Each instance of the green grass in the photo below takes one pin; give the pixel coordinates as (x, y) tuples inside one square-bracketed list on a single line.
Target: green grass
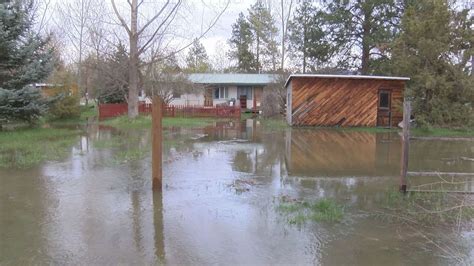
[(274, 123), (442, 132), (28, 147), (324, 210), (123, 122), (368, 129)]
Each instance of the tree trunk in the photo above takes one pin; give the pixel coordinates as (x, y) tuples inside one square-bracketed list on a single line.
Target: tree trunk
[(133, 67), (304, 49), (258, 54), (365, 44)]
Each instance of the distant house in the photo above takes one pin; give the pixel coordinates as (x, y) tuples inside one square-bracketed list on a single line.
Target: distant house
[(344, 100), (244, 90), (49, 89)]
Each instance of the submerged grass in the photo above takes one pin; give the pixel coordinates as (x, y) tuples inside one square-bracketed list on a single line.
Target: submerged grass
[(28, 147), (442, 132), (430, 209), (325, 210)]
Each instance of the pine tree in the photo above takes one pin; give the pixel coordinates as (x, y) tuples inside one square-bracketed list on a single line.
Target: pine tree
[(262, 25), (25, 59), (307, 43), (197, 60), (361, 31), (240, 43), (433, 49)]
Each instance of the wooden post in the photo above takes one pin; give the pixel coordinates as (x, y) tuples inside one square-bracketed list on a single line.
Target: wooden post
[(157, 143), (405, 145)]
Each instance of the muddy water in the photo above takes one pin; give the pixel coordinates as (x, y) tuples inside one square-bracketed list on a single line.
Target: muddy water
[(96, 207)]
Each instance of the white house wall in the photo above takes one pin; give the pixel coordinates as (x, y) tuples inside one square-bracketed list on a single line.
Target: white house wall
[(189, 100), (198, 99)]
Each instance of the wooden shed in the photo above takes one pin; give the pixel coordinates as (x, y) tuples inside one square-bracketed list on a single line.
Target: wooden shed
[(344, 100)]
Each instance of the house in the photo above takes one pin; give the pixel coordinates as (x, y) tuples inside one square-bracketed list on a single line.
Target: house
[(49, 89), (344, 100), (245, 90)]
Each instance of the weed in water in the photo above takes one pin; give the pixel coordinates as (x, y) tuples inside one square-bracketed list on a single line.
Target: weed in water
[(128, 155), (325, 210)]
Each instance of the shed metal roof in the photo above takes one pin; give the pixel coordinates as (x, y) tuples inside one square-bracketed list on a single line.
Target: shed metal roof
[(343, 77), (233, 78)]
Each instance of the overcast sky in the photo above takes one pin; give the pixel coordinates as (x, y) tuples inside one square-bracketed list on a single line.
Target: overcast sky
[(197, 13)]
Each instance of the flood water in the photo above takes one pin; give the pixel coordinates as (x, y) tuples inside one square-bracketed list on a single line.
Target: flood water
[(96, 206)]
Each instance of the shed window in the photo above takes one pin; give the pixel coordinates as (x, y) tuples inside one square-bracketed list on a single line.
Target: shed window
[(384, 100)]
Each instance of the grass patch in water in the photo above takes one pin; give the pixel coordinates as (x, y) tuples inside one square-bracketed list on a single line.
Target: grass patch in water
[(324, 210), (28, 147), (134, 154)]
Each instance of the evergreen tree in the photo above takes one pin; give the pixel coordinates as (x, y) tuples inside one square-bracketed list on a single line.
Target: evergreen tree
[(115, 70), (240, 43), (262, 25), (433, 49), (197, 60), (361, 31), (307, 43), (25, 59)]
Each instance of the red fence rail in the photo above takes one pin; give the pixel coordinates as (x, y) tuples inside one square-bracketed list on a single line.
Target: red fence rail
[(117, 109)]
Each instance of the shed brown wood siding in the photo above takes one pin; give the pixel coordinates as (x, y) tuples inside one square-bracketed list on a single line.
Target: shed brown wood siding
[(342, 101)]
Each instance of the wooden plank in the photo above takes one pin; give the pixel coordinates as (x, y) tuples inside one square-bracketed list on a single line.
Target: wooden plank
[(157, 143)]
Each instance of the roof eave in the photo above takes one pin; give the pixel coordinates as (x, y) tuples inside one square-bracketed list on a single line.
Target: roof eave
[(344, 77)]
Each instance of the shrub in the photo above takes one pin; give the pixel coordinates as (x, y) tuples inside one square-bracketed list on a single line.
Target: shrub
[(66, 107)]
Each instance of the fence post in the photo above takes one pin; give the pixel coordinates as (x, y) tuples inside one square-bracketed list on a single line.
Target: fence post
[(157, 143), (405, 145)]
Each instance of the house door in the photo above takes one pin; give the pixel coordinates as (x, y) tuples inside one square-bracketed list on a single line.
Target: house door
[(384, 114), (243, 101), (244, 93), (208, 98)]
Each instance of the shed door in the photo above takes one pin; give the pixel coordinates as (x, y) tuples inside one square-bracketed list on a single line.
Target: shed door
[(384, 105)]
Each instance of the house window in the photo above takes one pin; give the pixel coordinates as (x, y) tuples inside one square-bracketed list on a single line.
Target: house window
[(384, 100), (221, 93), (247, 91), (176, 95)]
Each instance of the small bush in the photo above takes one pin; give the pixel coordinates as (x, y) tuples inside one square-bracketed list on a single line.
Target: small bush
[(66, 107)]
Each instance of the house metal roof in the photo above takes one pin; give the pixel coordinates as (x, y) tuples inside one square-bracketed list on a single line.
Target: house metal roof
[(343, 77), (233, 78)]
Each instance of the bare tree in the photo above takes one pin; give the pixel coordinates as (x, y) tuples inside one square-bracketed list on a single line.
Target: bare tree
[(142, 37), (286, 7), (74, 20)]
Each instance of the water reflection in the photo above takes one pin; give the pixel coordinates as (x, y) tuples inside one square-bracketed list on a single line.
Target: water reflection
[(95, 207), (330, 153)]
